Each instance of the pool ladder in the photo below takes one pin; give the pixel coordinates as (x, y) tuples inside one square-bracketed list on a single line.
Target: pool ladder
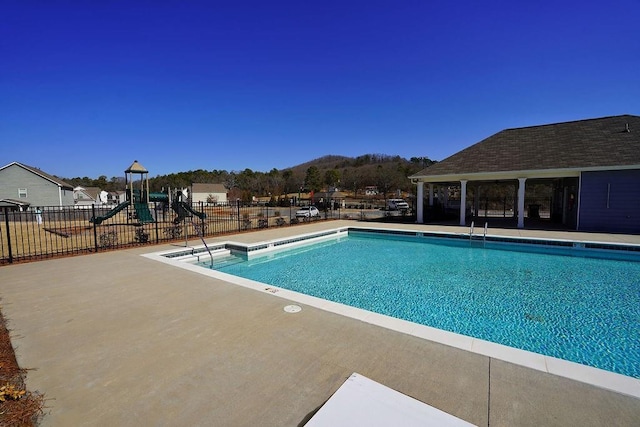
[(484, 235)]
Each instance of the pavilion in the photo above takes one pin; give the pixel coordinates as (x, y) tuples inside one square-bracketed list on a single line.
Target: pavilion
[(591, 169)]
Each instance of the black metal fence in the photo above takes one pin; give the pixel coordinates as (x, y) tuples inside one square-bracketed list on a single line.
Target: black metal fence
[(505, 207), (53, 231)]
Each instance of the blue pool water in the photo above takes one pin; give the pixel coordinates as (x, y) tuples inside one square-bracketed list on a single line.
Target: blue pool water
[(584, 310)]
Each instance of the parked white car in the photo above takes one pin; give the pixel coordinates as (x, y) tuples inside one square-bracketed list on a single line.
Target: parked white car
[(307, 212), (397, 205)]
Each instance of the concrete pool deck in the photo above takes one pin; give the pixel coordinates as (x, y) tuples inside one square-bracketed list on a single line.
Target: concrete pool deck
[(119, 339)]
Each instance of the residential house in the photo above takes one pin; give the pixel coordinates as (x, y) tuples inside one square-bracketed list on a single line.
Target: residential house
[(592, 167), (87, 196), (208, 193), (29, 186), (116, 197)]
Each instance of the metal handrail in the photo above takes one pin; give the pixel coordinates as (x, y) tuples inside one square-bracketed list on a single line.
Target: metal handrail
[(200, 231), (484, 234), (484, 237), (471, 232)]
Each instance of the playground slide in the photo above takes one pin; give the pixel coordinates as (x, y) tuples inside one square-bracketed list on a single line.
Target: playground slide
[(143, 213), (183, 210), (98, 220)]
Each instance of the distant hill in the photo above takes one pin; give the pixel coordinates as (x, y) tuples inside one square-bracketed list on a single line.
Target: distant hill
[(329, 162), (387, 172), (366, 160)]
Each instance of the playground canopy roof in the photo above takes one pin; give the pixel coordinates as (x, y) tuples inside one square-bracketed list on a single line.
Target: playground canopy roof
[(136, 168)]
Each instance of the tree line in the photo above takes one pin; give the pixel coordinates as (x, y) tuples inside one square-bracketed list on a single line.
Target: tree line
[(387, 173)]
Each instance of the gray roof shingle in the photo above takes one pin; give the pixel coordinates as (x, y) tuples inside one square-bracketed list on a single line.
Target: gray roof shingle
[(583, 144)]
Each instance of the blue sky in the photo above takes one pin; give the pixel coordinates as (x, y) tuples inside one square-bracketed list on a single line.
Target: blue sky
[(87, 87)]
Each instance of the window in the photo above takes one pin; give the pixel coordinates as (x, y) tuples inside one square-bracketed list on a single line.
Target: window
[(22, 193)]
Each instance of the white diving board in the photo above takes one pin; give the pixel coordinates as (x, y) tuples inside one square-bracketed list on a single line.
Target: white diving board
[(363, 402)]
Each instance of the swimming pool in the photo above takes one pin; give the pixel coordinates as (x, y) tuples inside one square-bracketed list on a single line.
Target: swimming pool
[(577, 308)]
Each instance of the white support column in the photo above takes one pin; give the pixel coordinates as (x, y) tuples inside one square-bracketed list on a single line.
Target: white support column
[(463, 201), (521, 202), (420, 203), (430, 194)]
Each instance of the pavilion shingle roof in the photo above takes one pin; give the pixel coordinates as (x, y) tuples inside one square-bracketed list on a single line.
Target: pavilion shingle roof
[(583, 144)]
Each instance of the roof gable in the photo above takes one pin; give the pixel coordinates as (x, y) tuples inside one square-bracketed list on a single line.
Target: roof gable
[(595, 143), (92, 192), (40, 173)]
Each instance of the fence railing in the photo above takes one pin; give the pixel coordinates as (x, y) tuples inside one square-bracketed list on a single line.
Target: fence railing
[(505, 207), (55, 231)]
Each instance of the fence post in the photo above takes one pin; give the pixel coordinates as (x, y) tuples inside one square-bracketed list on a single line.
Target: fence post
[(155, 210), (6, 223), (95, 229), (238, 206)]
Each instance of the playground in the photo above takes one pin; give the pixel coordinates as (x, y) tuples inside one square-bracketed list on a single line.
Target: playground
[(135, 211), (143, 218), (136, 206)]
